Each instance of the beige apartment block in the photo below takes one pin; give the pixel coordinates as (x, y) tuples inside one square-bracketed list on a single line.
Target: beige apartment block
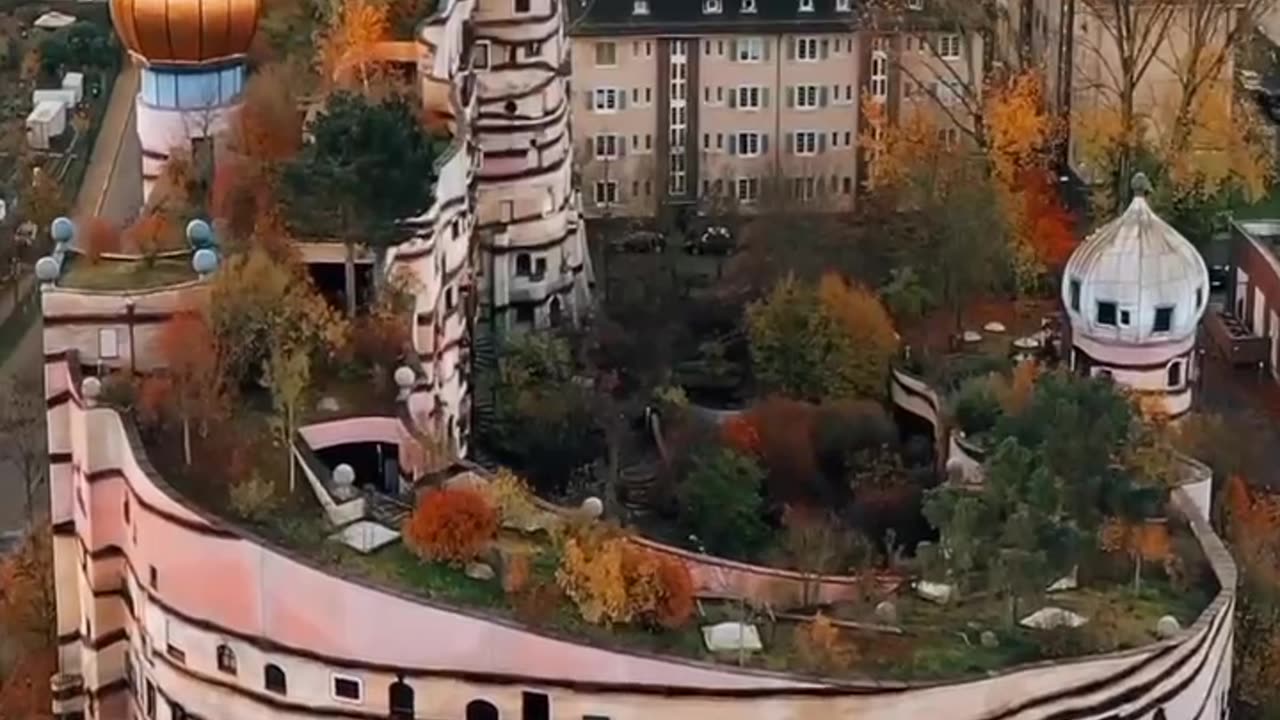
[(711, 103)]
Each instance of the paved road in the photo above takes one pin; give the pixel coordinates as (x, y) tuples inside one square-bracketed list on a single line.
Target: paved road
[(112, 188)]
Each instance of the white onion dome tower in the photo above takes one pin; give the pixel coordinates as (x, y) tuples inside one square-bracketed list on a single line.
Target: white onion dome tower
[(192, 55), (1135, 291)]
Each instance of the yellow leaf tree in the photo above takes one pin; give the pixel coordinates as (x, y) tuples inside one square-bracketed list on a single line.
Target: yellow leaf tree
[(346, 52)]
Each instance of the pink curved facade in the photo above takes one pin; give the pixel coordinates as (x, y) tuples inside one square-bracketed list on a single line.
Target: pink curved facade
[(143, 576)]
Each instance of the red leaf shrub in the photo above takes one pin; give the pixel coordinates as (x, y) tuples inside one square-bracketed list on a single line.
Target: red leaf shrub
[(451, 524)]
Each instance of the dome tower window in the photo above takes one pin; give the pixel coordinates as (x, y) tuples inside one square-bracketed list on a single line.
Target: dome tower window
[(1164, 319), (1106, 313)]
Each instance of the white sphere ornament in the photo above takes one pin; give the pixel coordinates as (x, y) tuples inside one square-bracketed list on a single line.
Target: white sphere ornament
[(404, 377), (344, 476), (593, 508), (47, 269), (1167, 627), (62, 230), (204, 261), (199, 233), (90, 389)]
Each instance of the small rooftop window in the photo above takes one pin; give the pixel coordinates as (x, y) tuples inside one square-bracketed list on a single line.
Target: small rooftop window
[(712, 6), (1106, 313), (640, 7)]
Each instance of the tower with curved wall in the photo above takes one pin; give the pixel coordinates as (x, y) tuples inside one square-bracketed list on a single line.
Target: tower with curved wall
[(1135, 292), (192, 58), (534, 267)]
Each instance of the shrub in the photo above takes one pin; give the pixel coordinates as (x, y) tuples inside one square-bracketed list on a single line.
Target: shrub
[(612, 581), (510, 494), (451, 524), (786, 448), (252, 498), (515, 573), (976, 406), (818, 647), (739, 433), (720, 501), (100, 236), (538, 603)]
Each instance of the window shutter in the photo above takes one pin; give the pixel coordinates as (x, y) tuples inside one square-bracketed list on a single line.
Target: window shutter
[(764, 97), (733, 143), (825, 46), (822, 142), (791, 48), (733, 97), (622, 101), (764, 48), (822, 96), (733, 49), (620, 141), (764, 143), (791, 143), (791, 96), (591, 99)]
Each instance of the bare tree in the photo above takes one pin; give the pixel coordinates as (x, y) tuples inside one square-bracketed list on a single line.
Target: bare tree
[(1211, 33), (22, 434), (955, 86), (1132, 34)]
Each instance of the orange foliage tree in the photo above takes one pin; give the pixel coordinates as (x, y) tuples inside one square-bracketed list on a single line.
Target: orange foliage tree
[(452, 524), (739, 433), (1143, 541), (613, 581), (24, 690), (819, 648), (347, 49), (152, 233), (787, 450), (27, 624), (1253, 528), (196, 369), (100, 236)]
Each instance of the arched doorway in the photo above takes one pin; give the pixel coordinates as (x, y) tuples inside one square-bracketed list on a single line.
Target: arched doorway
[(556, 312), (400, 698), (481, 710)]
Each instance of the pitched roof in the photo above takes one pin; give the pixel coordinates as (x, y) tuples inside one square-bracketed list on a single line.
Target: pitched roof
[(607, 17)]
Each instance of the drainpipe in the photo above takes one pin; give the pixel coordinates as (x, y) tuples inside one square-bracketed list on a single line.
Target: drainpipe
[(130, 309)]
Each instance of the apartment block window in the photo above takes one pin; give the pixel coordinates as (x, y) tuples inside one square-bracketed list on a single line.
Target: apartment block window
[(748, 97), (748, 6), (532, 49), (226, 659), (806, 5), (606, 54), (523, 6), (607, 100), (640, 7), (949, 47), (274, 680), (480, 55), (843, 5), (806, 49), (879, 75), (847, 185), (749, 49), (535, 706), (808, 97), (806, 143), (748, 189), (842, 94), (711, 6), (608, 147), (949, 137), (108, 344), (606, 192), (748, 144)]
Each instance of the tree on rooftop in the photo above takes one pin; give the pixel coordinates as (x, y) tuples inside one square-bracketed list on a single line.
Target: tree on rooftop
[(721, 504), (22, 412), (255, 301), (346, 52), (195, 367), (288, 374), (43, 200), (370, 166)]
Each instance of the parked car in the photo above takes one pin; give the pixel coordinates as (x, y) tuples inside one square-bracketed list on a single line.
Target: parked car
[(712, 240), (640, 241)]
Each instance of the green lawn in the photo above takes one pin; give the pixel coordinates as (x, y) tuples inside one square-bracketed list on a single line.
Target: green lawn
[(126, 275)]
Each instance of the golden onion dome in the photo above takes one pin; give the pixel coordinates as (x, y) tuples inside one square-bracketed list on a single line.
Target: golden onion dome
[(183, 32)]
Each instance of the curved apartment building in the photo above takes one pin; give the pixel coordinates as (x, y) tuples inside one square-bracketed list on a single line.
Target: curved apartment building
[(168, 612)]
